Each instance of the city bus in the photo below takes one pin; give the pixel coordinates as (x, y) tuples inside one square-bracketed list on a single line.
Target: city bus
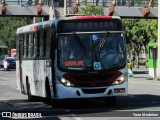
[(73, 57), (3, 54), (153, 59)]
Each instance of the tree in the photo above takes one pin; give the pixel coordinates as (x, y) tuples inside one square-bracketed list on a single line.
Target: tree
[(91, 10), (139, 32), (8, 29)]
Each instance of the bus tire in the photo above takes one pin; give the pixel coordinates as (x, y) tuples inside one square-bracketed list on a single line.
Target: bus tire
[(50, 101), (110, 101), (48, 93), (30, 97)]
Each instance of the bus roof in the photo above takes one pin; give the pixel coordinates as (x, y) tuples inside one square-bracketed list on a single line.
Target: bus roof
[(36, 26), (26, 28), (90, 17)]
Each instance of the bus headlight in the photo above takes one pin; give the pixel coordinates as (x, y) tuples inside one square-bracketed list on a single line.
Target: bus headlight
[(65, 81), (119, 80)]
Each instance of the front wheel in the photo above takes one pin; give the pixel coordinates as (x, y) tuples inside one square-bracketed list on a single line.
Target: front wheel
[(110, 101)]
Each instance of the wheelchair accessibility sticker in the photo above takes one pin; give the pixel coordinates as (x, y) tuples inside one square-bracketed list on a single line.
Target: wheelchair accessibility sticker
[(95, 37)]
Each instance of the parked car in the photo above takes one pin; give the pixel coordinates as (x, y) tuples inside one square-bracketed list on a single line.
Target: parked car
[(1, 63), (9, 63)]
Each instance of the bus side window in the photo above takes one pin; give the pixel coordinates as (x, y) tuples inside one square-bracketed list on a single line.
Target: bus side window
[(25, 46), (47, 44), (17, 45), (41, 44), (36, 44), (30, 45), (22, 48), (44, 42)]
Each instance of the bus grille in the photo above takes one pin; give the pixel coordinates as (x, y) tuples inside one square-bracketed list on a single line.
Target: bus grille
[(93, 91)]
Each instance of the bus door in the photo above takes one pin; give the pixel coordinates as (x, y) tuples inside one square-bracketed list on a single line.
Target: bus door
[(20, 62), (53, 47)]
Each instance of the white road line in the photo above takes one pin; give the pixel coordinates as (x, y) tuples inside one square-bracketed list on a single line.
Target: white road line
[(76, 118)]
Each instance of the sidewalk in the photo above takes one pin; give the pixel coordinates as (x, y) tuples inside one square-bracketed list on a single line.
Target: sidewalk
[(141, 74)]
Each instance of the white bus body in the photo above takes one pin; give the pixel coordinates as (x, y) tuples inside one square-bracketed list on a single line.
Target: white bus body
[(42, 70)]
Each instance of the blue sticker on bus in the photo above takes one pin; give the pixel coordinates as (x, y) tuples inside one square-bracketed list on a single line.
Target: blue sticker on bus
[(95, 37), (97, 66)]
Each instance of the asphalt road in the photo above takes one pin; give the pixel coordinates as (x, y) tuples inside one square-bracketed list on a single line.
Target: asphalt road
[(143, 101)]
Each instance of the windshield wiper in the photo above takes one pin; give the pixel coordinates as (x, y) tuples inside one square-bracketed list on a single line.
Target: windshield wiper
[(103, 40)]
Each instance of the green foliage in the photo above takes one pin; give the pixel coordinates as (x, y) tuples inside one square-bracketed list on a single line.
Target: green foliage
[(139, 32), (91, 10), (136, 3), (8, 29)]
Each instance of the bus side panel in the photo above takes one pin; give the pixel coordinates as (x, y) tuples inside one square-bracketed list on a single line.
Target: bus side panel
[(36, 71)]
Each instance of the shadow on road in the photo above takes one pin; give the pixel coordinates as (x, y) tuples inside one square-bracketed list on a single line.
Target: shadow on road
[(86, 107), (146, 78), (140, 72)]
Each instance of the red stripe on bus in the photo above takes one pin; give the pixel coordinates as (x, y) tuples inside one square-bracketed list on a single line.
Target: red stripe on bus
[(93, 17)]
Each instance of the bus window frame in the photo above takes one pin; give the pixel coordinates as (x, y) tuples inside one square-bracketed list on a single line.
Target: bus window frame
[(47, 42)]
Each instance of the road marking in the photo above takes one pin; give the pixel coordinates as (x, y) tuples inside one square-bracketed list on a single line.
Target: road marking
[(78, 118)]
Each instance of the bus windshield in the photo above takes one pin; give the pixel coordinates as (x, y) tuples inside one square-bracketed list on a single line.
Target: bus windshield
[(91, 51)]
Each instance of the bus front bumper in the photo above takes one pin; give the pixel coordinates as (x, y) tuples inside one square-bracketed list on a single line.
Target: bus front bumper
[(64, 92)]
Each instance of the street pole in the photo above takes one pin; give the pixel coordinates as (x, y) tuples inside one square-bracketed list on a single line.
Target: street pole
[(158, 41), (65, 7), (34, 20)]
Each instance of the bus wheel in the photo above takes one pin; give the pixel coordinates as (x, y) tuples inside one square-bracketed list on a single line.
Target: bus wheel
[(110, 101), (50, 101), (48, 92), (30, 97)]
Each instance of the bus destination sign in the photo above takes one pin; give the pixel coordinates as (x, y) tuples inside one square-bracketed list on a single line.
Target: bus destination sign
[(89, 25)]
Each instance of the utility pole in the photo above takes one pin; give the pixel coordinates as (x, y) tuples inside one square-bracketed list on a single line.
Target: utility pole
[(158, 75), (65, 7)]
